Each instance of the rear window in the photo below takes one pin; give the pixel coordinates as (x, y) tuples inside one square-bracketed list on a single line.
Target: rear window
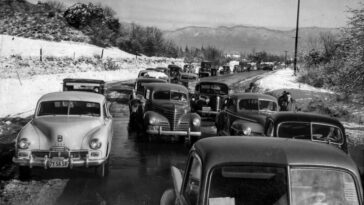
[(248, 185), (295, 130), (213, 89), (69, 108), (255, 104), (322, 186)]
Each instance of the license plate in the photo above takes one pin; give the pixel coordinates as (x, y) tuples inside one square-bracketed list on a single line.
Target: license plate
[(57, 163), (206, 108)]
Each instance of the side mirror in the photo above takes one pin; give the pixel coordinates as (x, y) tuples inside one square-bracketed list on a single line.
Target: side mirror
[(177, 179)]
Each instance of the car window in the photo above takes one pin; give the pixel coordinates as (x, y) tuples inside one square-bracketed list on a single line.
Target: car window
[(327, 133), (267, 105), (295, 130), (248, 104), (192, 188), (248, 185), (69, 108), (214, 89), (170, 95), (322, 186)]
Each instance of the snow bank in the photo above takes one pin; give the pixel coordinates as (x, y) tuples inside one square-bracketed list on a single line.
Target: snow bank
[(20, 98), (11, 45), (284, 79)]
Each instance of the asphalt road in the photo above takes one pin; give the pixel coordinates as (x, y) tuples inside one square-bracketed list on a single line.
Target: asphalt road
[(139, 170)]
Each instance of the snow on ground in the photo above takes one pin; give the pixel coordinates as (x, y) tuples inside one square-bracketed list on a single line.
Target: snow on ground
[(12, 45), (20, 98), (284, 79)]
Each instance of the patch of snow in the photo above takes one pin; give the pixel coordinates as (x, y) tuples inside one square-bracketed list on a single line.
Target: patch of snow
[(12, 45), (19, 99), (284, 79)]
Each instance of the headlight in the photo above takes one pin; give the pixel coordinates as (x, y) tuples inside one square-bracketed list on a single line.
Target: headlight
[(247, 131), (153, 121), (23, 143), (196, 122), (95, 144)]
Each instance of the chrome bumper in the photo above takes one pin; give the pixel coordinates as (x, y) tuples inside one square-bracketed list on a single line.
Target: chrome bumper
[(165, 132), (44, 162)]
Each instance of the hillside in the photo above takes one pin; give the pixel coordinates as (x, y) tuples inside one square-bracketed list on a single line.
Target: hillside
[(37, 21), (244, 38)]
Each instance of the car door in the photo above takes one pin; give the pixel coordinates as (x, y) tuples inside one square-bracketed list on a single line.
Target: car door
[(191, 187)]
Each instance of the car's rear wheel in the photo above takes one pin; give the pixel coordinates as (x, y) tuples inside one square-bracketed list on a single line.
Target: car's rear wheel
[(103, 169), (24, 172)]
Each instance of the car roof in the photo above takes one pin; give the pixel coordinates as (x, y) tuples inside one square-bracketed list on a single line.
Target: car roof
[(304, 117), (215, 151), (83, 80), (164, 86), (211, 82), (73, 95), (253, 96), (159, 80)]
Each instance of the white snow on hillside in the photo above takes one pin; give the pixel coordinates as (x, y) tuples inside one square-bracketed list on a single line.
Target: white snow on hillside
[(284, 79), (12, 45), (19, 99)]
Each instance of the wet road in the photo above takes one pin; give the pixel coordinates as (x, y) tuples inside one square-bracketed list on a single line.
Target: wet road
[(139, 170)]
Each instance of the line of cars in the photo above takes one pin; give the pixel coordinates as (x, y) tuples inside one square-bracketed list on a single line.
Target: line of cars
[(286, 166)]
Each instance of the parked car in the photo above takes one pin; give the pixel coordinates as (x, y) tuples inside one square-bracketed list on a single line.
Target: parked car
[(152, 74), (189, 80), (88, 85), (69, 129), (249, 170), (245, 114), (166, 111), (225, 70), (209, 97), (174, 73), (238, 69), (189, 68), (307, 126), (207, 70)]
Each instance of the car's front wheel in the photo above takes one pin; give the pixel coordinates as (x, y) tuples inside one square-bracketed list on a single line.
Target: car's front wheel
[(24, 172), (103, 169)]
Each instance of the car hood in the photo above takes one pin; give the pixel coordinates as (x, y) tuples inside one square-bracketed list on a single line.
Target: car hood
[(65, 131)]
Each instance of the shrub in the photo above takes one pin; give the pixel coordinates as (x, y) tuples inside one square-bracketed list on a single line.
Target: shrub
[(109, 64)]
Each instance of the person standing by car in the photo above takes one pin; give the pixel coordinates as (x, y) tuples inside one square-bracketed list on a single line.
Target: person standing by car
[(286, 102), (252, 88)]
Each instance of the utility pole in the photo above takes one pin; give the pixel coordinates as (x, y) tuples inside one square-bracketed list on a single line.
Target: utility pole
[(296, 40)]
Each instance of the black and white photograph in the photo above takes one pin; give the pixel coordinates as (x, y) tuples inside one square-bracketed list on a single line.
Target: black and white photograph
[(181, 102)]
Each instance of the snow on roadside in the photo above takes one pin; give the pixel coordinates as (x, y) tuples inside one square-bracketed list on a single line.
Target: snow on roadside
[(20, 98), (12, 45), (284, 79)]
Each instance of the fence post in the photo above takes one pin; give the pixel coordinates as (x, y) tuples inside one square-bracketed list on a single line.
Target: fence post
[(41, 53), (102, 53)]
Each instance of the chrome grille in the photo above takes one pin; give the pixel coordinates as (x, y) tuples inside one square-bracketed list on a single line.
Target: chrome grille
[(175, 117), (64, 154)]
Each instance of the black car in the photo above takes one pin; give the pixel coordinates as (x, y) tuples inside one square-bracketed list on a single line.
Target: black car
[(87, 85), (207, 70)]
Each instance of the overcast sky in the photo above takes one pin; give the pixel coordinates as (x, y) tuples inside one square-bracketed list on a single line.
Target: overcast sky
[(172, 14)]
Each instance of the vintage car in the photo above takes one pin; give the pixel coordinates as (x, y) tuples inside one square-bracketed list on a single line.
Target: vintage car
[(166, 111), (256, 170), (207, 70), (225, 70), (245, 113), (69, 129), (209, 97), (152, 74), (189, 68), (238, 69), (189, 80), (88, 85), (307, 126)]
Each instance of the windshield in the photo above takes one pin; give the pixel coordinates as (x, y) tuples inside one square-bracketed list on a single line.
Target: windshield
[(303, 130), (69, 108), (255, 104), (214, 89), (248, 185), (170, 95), (322, 186)]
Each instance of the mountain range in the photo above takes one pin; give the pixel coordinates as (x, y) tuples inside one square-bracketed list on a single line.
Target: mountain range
[(246, 39)]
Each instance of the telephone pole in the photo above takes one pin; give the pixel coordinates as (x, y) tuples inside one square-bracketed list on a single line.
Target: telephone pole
[(285, 59), (296, 40)]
